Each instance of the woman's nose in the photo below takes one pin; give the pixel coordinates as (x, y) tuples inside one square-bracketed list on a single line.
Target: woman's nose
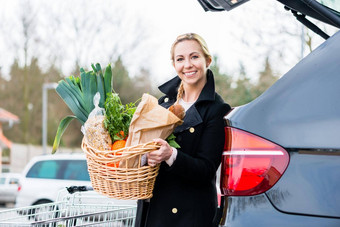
[(187, 64)]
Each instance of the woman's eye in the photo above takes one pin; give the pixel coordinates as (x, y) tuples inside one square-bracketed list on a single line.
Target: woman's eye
[(194, 57), (179, 59)]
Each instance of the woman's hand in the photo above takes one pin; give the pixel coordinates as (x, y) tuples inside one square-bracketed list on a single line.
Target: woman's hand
[(162, 154)]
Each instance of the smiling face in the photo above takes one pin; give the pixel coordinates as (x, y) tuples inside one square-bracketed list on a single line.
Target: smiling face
[(190, 63)]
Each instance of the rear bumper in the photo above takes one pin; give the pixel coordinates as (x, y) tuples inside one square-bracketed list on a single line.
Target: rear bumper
[(7, 197), (257, 211)]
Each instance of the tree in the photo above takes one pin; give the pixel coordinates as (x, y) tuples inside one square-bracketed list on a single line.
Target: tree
[(242, 91), (121, 81), (23, 93), (28, 27), (237, 92), (78, 33), (143, 84), (222, 81), (130, 89), (266, 79)]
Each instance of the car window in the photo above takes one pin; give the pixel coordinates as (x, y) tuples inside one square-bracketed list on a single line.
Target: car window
[(330, 4), (44, 169), (60, 169), (2, 180), (13, 180), (76, 170)]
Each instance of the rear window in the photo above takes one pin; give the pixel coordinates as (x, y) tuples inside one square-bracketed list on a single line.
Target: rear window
[(60, 169), (330, 4), (13, 180), (2, 180)]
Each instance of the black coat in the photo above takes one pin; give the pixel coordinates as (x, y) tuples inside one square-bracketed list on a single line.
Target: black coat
[(185, 193)]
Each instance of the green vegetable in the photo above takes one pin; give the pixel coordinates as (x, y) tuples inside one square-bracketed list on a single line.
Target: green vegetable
[(78, 93), (172, 142), (61, 129), (118, 116), (100, 84), (71, 100), (88, 83), (108, 80)]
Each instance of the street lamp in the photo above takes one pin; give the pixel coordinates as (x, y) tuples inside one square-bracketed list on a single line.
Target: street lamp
[(45, 87)]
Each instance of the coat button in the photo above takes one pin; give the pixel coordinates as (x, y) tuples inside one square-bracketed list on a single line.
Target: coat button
[(166, 100), (174, 210), (192, 130)]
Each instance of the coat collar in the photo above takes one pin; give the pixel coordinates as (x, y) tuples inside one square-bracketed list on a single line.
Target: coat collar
[(170, 88), (192, 117)]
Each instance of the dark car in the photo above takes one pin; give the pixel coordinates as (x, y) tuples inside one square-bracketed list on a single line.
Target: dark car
[(281, 163)]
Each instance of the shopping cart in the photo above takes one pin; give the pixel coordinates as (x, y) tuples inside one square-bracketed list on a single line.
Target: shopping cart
[(75, 206)]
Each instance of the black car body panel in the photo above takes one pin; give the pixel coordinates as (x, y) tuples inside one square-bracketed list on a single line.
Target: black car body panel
[(297, 110), (257, 211), (301, 113), (310, 185)]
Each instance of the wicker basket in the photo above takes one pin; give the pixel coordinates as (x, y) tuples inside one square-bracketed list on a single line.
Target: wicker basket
[(121, 182)]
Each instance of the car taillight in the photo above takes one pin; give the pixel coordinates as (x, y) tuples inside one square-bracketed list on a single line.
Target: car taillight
[(250, 164)]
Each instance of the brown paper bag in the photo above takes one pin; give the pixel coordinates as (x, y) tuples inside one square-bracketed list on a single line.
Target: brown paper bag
[(150, 121)]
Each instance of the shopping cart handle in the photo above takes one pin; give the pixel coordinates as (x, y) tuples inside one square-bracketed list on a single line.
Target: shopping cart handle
[(73, 189)]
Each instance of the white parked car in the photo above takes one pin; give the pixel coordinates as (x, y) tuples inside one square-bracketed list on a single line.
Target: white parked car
[(45, 176), (9, 183)]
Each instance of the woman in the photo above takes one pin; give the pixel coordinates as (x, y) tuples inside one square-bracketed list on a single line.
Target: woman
[(185, 191)]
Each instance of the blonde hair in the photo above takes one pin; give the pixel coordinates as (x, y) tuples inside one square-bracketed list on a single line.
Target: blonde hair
[(201, 42), (180, 92), (191, 36)]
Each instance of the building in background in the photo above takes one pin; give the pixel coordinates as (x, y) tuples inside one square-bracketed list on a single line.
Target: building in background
[(6, 118)]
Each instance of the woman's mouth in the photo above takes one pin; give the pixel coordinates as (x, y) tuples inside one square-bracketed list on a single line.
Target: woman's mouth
[(188, 74)]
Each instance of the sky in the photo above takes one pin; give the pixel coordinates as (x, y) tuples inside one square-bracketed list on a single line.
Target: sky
[(247, 34), (231, 35)]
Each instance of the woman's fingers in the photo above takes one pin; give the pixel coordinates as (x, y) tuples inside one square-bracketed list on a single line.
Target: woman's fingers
[(151, 163), (155, 156), (163, 153), (160, 141), (151, 159)]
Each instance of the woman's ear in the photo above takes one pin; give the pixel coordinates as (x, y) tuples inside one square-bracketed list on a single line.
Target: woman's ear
[(208, 62)]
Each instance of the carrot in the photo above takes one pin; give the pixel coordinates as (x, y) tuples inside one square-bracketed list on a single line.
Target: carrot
[(118, 144), (121, 135)]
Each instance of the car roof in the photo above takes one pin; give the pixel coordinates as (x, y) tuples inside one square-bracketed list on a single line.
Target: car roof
[(60, 156), (9, 174)]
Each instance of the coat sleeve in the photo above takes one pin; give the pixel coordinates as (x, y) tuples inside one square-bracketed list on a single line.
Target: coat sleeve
[(204, 164)]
